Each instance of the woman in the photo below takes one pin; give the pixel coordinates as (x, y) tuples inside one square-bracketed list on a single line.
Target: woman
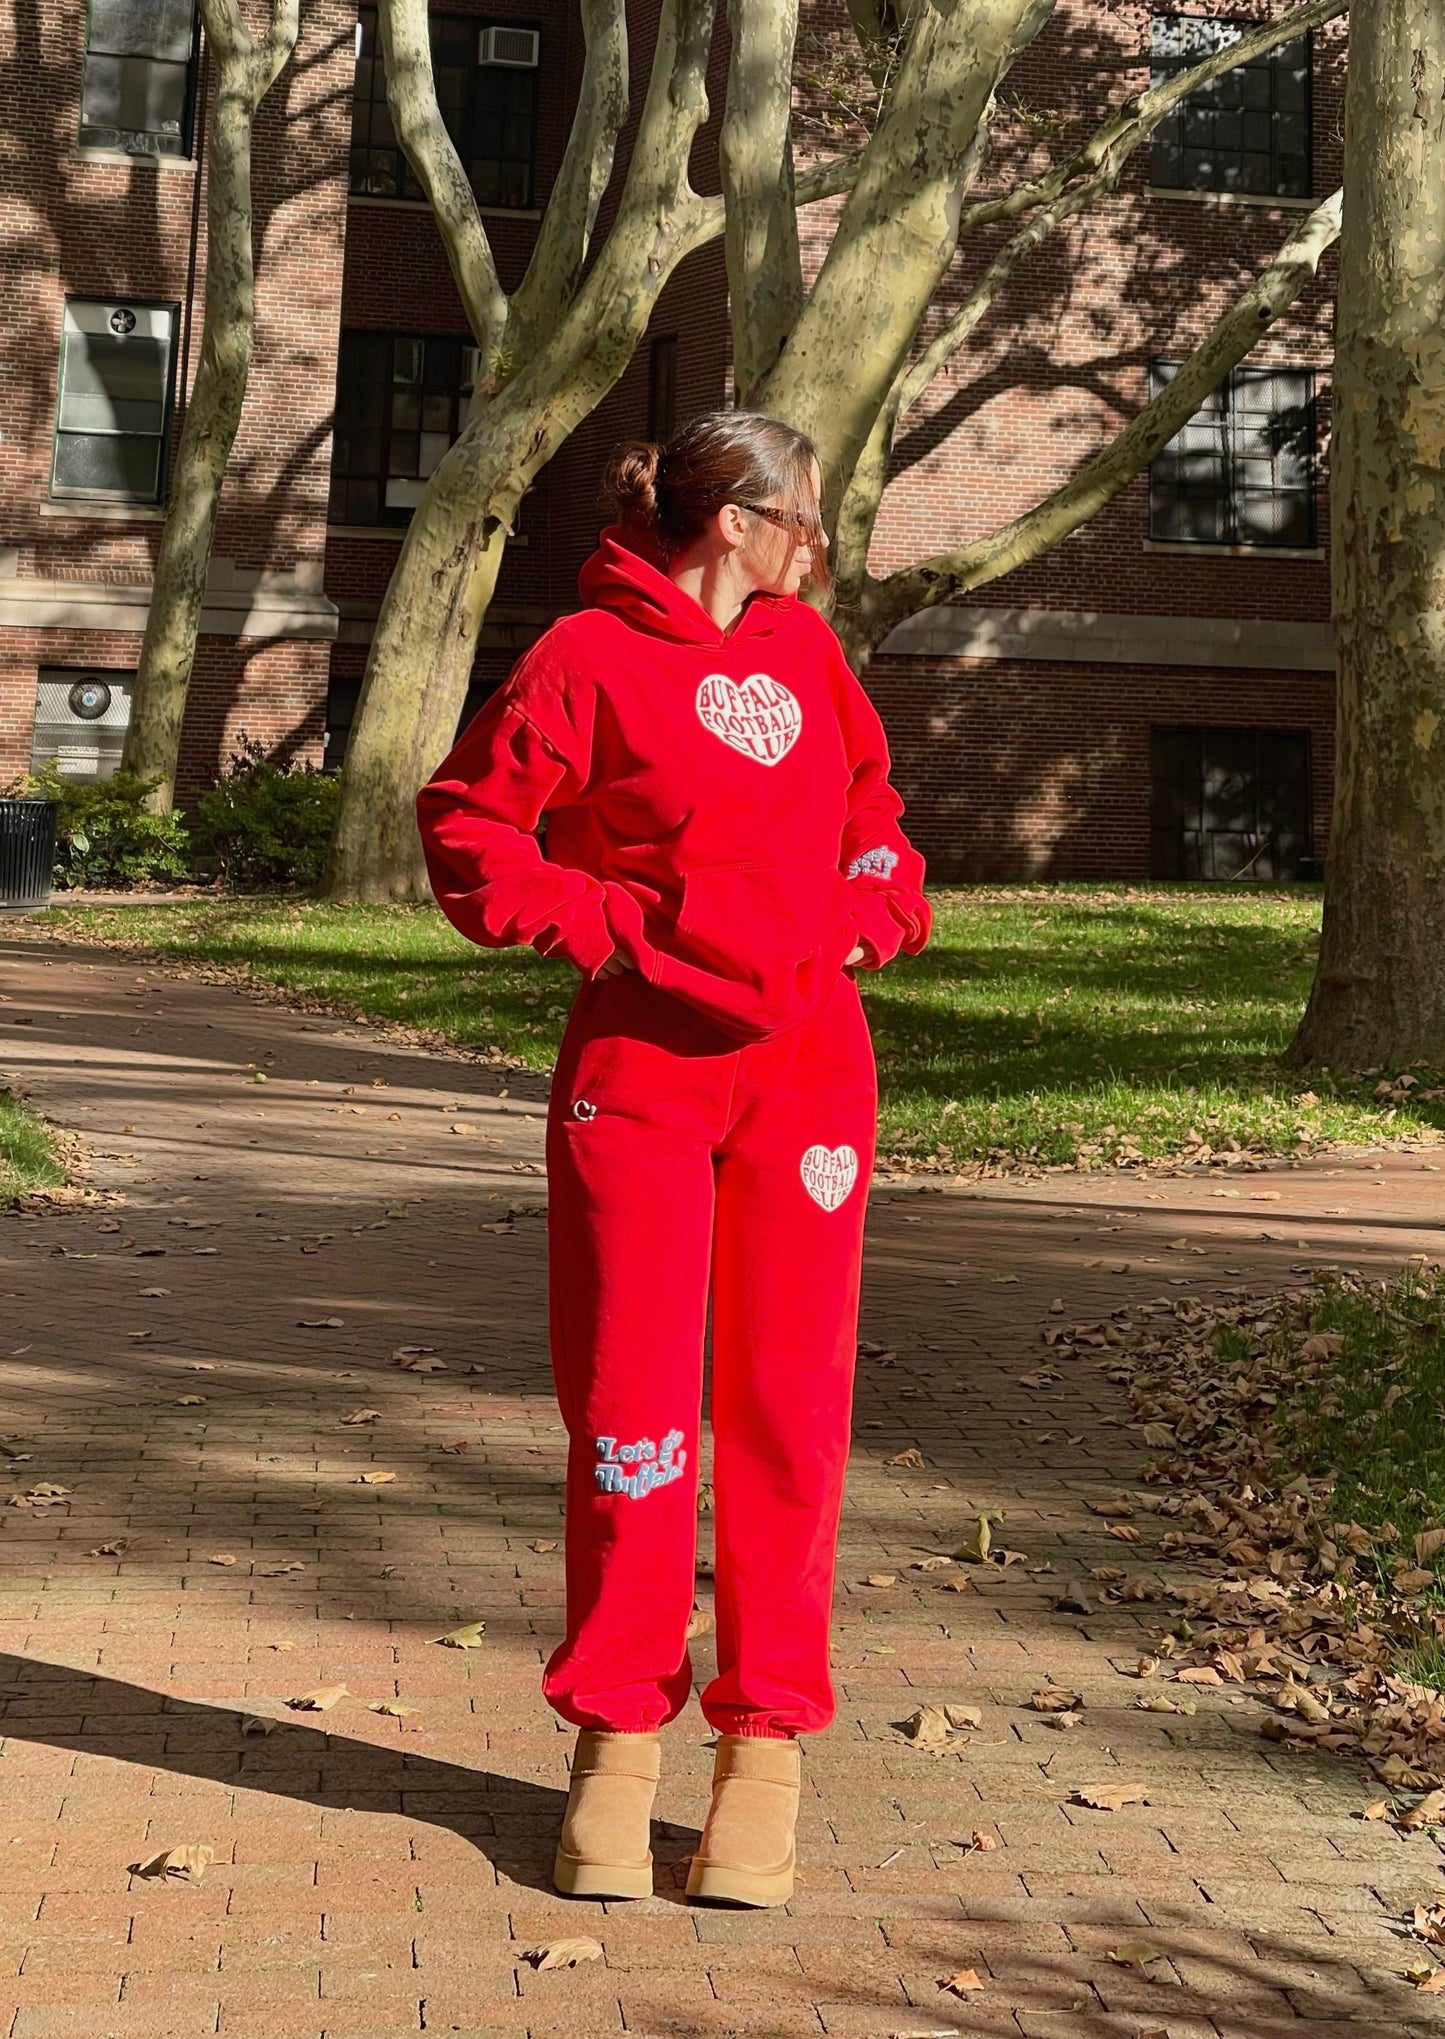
[(722, 853)]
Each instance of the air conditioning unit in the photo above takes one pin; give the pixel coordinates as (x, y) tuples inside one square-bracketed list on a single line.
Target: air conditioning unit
[(516, 49), (80, 722)]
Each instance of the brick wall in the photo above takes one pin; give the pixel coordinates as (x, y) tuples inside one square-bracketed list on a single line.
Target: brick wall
[(1034, 769), (1011, 765)]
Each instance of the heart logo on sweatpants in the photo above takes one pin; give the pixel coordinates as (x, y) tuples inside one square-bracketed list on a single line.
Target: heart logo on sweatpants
[(829, 1173), (757, 716)]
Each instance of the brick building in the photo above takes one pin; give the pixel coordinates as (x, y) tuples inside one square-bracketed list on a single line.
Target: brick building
[(1155, 695)]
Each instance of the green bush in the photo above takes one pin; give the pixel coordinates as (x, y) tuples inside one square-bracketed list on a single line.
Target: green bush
[(268, 824), (105, 836)]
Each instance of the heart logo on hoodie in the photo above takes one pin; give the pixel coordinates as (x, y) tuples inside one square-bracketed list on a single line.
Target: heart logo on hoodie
[(756, 716), (829, 1173)]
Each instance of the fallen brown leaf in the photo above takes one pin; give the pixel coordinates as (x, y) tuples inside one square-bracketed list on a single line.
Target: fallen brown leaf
[(1430, 1812), (563, 1953), (467, 1637), (1427, 1922), (116, 1548), (223, 1557), (320, 1701), (321, 1323), (1427, 1543), (881, 1579), (393, 1708), (1134, 1954), (698, 1623), (374, 1479), (963, 1983), (979, 1843), (543, 1543), (1165, 1702), (932, 1727), (1109, 1797), (362, 1416), (187, 1864), (1054, 1699), (912, 1459)]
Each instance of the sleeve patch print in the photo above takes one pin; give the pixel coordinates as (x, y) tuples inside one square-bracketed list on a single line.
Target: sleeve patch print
[(879, 863), (636, 1469), (829, 1174), (757, 717)]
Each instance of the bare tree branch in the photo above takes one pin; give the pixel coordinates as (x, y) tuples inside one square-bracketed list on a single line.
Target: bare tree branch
[(899, 229), (764, 266), (1110, 145), (560, 252), (411, 96), (1233, 335)]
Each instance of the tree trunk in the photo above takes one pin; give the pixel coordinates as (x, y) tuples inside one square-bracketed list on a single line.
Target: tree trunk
[(429, 622), (1379, 992), (244, 74), (580, 341)]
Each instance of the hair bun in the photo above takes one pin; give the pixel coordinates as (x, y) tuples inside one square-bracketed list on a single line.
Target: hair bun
[(632, 483)]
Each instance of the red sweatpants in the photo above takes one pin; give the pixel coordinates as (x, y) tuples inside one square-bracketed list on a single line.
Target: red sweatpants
[(680, 1163)]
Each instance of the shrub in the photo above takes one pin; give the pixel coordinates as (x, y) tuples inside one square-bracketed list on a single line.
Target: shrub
[(105, 836), (268, 824)]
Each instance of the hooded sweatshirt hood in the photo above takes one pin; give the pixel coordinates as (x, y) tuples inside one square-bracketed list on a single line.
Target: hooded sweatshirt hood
[(626, 576), (717, 802)]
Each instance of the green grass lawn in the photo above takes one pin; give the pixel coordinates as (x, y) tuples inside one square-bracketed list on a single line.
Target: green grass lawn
[(1049, 1023), (29, 1157)]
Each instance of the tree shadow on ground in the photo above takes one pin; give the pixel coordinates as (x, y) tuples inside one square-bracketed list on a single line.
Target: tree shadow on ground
[(511, 1821)]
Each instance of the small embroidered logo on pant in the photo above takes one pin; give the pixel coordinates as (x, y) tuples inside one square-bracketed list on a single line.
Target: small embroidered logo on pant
[(879, 863), (829, 1173), (636, 1469)]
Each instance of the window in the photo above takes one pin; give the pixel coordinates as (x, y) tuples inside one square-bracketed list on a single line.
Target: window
[(117, 372), (662, 388), (1248, 130), (136, 87), (1230, 804), (1241, 472), (400, 402), (343, 697), (487, 91), (80, 722)]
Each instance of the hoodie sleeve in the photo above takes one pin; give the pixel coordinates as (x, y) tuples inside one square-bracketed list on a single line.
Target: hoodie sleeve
[(525, 751), (882, 867)]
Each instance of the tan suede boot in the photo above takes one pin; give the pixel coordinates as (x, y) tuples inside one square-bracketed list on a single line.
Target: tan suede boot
[(746, 1855), (606, 1831)]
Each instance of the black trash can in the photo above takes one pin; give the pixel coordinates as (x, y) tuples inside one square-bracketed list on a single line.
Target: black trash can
[(27, 853)]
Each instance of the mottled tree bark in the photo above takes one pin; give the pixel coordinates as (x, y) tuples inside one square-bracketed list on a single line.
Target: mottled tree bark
[(1379, 991), (245, 70), (551, 353)]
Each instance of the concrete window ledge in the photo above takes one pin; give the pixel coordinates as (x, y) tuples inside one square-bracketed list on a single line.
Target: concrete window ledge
[(957, 630), (137, 161)]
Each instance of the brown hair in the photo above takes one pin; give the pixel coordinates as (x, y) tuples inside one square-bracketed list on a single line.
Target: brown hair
[(722, 457)]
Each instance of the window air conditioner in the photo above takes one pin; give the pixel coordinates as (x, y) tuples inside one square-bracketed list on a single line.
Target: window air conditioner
[(516, 48)]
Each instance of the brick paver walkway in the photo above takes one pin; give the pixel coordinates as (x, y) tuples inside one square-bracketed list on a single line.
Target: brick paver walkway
[(378, 1875)]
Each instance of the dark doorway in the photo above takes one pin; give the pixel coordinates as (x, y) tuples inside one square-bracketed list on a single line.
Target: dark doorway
[(1229, 804)]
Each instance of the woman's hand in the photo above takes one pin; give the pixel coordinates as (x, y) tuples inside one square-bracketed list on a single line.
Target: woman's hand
[(614, 966), (859, 955)]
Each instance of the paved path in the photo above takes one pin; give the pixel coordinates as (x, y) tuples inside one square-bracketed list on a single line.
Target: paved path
[(378, 1875)]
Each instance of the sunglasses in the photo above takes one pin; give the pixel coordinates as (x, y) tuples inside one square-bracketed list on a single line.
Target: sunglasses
[(802, 528)]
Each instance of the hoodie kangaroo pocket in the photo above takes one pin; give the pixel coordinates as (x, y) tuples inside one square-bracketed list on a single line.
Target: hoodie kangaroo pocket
[(756, 944)]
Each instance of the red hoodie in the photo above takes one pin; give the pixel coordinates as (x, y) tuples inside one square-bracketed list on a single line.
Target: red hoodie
[(717, 803)]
